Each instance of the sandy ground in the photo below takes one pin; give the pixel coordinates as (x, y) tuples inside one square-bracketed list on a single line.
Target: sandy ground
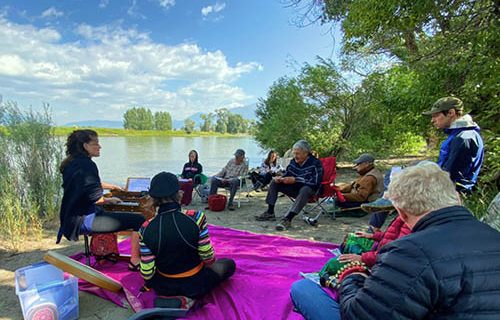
[(92, 307)]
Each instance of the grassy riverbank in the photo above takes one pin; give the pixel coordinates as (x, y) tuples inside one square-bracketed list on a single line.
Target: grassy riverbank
[(64, 131)]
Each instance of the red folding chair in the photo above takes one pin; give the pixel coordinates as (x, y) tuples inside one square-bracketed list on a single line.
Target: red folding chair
[(326, 192)]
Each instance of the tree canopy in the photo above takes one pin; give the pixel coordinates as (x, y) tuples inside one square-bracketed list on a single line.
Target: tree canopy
[(404, 55)]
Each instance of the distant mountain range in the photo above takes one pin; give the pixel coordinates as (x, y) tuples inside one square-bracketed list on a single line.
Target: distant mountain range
[(96, 124), (247, 112)]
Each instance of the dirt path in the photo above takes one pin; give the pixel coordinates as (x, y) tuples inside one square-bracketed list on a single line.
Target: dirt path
[(92, 307)]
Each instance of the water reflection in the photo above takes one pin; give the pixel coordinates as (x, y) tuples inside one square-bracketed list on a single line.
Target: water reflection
[(123, 157)]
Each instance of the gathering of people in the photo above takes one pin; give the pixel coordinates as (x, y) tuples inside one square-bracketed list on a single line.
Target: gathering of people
[(435, 260)]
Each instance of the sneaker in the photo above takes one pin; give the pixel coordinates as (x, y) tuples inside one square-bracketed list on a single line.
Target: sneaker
[(266, 216), (231, 207), (284, 225), (310, 221), (380, 204)]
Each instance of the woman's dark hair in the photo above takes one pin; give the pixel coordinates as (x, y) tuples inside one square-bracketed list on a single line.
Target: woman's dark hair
[(195, 154), (74, 145), (268, 159)]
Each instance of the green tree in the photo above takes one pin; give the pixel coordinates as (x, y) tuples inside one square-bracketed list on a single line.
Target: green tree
[(452, 46), (189, 125), (221, 125), (282, 116), (236, 123), (163, 121), (435, 49), (138, 118), (207, 124)]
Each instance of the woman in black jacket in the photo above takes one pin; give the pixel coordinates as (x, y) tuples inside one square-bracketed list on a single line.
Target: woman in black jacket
[(83, 192), (192, 169), (191, 174)]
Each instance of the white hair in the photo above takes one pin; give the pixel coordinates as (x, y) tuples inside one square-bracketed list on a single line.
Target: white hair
[(422, 188), (302, 145)]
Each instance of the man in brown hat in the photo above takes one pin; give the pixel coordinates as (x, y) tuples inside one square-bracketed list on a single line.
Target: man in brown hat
[(462, 153), (367, 187)]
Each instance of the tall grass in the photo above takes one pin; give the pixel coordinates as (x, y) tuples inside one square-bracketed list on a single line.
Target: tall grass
[(30, 190)]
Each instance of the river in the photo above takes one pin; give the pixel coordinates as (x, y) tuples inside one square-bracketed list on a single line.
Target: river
[(123, 157)]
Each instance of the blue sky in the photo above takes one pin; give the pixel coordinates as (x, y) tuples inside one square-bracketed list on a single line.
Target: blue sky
[(94, 59)]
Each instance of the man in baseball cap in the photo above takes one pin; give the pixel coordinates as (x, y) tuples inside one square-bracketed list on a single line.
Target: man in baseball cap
[(462, 153), (230, 176), (367, 187)]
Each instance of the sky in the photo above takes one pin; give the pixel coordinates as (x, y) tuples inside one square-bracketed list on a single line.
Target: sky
[(94, 59)]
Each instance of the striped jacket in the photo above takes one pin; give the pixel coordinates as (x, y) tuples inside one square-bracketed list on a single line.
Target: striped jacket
[(310, 173), (174, 242)]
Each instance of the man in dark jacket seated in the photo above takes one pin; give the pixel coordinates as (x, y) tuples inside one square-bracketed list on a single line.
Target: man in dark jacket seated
[(447, 268), (301, 180)]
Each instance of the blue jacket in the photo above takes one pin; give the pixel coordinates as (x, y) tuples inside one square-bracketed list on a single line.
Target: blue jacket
[(462, 153), (447, 268)]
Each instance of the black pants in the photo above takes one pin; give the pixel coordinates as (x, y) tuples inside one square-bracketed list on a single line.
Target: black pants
[(300, 192), (263, 179), (233, 184)]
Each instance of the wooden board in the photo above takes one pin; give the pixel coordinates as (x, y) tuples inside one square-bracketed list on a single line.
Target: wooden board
[(82, 271)]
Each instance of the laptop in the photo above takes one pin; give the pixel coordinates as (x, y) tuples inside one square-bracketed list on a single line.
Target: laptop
[(137, 184)]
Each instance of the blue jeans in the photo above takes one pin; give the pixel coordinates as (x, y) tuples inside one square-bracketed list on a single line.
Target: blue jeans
[(313, 302)]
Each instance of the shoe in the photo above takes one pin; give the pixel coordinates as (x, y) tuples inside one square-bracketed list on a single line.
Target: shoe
[(266, 216), (310, 221), (134, 267), (380, 204), (231, 207), (284, 225), (257, 186)]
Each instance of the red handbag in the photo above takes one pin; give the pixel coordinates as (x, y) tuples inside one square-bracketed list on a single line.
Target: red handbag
[(217, 202), (104, 246)]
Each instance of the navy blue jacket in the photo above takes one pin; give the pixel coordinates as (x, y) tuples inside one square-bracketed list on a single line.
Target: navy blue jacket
[(82, 188), (448, 268), (310, 173), (462, 153)]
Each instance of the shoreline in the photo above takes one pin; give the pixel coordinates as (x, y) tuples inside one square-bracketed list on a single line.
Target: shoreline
[(116, 132)]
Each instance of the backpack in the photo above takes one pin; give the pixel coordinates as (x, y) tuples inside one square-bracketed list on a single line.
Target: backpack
[(104, 246)]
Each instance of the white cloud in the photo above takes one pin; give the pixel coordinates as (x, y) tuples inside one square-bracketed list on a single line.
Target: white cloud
[(167, 3), (217, 7), (52, 13), (133, 11), (103, 4), (111, 69)]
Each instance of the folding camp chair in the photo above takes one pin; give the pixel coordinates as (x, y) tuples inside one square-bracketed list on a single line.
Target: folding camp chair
[(326, 192), (198, 188), (243, 187)]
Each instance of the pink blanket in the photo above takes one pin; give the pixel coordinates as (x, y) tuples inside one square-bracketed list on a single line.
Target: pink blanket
[(266, 266)]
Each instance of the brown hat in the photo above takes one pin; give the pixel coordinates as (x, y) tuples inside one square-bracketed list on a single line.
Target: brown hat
[(445, 104)]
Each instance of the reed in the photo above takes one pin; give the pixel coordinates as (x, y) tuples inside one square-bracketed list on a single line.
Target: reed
[(30, 183)]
